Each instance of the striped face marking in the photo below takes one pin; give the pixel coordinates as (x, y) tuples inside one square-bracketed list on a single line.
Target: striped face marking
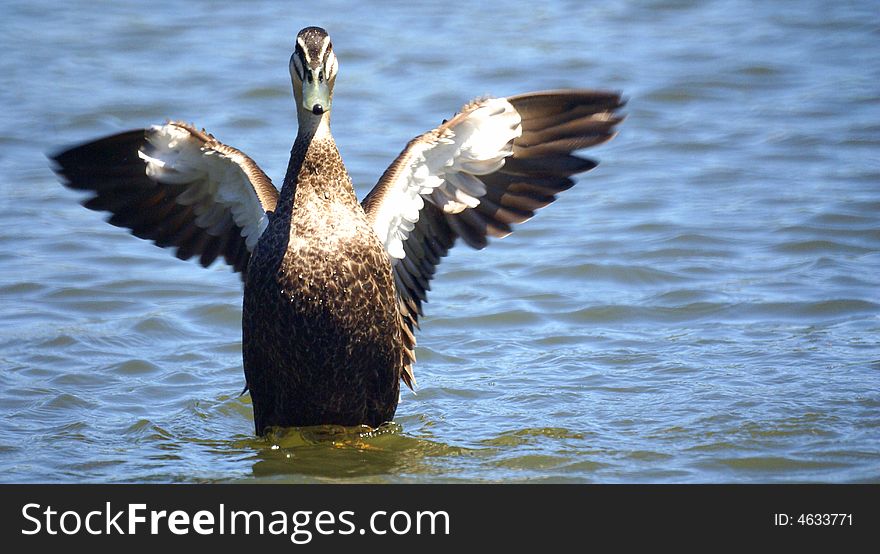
[(313, 57)]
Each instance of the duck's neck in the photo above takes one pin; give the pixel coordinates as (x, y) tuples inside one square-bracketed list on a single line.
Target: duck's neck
[(313, 127), (315, 171)]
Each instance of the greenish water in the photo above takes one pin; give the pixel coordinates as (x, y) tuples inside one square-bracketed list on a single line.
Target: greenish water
[(703, 307)]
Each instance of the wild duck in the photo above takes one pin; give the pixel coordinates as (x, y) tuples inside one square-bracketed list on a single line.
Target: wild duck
[(333, 287)]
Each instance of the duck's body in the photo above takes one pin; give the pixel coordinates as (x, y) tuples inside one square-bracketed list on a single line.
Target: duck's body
[(321, 329), (333, 288)]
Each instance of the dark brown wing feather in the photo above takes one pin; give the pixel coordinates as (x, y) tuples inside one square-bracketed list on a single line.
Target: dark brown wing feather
[(554, 124), (112, 169)]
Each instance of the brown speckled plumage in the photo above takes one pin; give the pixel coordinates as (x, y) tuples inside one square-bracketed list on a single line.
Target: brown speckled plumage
[(333, 289), (321, 332)]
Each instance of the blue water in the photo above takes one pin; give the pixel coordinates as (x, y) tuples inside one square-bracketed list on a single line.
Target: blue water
[(702, 307)]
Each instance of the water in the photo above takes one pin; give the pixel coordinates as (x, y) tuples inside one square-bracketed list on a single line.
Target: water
[(703, 307)]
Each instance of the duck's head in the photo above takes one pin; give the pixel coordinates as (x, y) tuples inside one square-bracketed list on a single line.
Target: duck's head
[(313, 69)]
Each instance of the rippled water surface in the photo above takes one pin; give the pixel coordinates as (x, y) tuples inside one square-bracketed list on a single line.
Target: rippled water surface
[(702, 307)]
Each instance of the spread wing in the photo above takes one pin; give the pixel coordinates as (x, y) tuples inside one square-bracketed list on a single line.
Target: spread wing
[(176, 186), (492, 165)]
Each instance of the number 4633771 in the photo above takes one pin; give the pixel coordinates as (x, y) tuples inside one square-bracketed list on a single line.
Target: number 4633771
[(812, 519)]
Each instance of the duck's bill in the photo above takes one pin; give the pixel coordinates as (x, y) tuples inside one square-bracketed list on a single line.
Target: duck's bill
[(316, 97)]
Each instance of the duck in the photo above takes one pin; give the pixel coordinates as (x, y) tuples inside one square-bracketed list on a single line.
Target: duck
[(334, 287)]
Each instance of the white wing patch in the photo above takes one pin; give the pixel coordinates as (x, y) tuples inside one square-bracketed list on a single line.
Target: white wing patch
[(217, 186), (442, 169)]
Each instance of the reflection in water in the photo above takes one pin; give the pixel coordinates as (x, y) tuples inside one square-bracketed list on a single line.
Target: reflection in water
[(333, 452)]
